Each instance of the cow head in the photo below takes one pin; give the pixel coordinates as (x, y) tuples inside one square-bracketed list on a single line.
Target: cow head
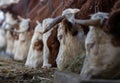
[(102, 57), (24, 40), (35, 54), (9, 21), (23, 25)]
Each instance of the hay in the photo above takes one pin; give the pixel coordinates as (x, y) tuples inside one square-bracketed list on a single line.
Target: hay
[(76, 64)]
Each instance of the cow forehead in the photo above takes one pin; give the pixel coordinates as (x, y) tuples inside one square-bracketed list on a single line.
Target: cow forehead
[(46, 23)]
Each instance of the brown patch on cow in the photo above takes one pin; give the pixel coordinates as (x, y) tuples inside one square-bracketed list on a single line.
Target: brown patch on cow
[(53, 45), (38, 45)]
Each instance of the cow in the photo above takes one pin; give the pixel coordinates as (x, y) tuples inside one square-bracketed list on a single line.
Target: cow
[(68, 32), (8, 24), (10, 27), (23, 43), (35, 54), (44, 47), (102, 46)]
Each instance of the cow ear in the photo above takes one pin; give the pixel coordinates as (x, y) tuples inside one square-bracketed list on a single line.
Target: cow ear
[(114, 23)]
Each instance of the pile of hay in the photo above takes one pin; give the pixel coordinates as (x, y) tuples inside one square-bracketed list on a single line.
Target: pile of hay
[(76, 64)]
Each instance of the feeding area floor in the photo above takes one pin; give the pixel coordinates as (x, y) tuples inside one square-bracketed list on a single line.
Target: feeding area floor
[(15, 72)]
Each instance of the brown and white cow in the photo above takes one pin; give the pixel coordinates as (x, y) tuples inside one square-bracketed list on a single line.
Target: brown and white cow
[(35, 54), (23, 43), (102, 46), (70, 37), (44, 46), (8, 24)]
